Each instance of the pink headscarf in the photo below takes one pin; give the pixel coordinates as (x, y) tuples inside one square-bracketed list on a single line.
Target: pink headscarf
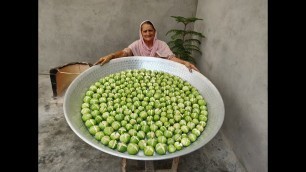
[(159, 48)]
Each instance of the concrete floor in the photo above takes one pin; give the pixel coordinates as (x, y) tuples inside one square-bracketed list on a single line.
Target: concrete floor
[(60, 149)]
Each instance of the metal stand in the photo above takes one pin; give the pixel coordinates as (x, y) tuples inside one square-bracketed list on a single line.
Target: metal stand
[(149, 166), (123, 165)]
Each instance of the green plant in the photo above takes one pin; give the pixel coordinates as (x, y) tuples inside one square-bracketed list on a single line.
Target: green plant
[(183, 41)]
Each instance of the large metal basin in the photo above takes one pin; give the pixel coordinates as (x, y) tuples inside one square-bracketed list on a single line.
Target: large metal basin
[(76, 91)]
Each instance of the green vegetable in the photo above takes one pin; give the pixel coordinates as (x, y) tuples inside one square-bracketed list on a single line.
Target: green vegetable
[(161, 148), (171, 148), (94, 129), (145, 110), (125, 138), (105, 140), (112, 144), (99, 135), (122, 147), (132, 148), (148, 150), (90, 122), (142, 144)]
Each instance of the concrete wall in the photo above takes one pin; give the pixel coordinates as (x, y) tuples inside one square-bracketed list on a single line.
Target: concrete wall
[(235, 60), (83, 31)]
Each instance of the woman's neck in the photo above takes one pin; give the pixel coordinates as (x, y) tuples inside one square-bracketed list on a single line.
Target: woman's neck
[(149, 43)]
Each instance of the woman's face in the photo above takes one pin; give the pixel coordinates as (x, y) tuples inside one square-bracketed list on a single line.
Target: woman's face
[(147, 32)]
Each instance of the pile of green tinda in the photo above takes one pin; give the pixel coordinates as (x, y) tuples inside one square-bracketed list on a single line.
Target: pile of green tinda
[(144, 110)]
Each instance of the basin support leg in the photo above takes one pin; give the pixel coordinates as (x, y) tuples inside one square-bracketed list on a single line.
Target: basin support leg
[(123, 165), (149, 166), (175, 163)]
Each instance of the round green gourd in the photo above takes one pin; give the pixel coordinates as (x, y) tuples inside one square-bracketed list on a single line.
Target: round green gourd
[(145, 110), (132, 148), (148, 150)]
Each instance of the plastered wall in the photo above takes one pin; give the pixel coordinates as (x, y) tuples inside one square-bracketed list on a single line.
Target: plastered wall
[(83, 31), (235, 59)]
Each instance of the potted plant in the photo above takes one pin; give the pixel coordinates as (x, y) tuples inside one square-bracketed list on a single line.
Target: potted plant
[(183, 41)]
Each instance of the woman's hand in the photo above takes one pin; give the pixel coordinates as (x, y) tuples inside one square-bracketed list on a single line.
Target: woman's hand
[(190, 66), (104, 59)]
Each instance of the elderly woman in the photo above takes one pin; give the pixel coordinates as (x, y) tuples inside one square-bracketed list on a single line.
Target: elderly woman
[(147, 45)]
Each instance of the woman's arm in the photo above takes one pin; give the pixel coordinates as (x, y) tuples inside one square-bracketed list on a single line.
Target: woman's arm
[(189, 65), (164, 51), (121, 53)]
